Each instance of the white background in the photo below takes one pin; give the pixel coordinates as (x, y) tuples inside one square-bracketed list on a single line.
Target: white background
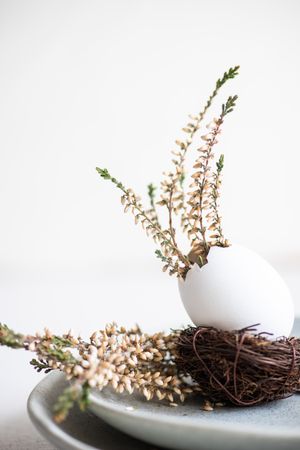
[(110, 83)]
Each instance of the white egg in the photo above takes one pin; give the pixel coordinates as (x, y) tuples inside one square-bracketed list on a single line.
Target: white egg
[(235, 289)]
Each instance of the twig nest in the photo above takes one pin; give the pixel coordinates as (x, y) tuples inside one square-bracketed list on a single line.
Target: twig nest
[(239, 367), (237, 287)]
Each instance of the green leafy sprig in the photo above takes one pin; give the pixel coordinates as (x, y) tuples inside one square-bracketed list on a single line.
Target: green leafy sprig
[(217, 237), (152, 212), (75, 394)]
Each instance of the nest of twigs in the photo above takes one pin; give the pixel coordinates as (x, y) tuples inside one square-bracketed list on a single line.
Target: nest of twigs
[(238, 366)]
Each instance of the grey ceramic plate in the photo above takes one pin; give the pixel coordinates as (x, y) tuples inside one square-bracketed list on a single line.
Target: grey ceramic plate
[(273, 426), (81, 430)]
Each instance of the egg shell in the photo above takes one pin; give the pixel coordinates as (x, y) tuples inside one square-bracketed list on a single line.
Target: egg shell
[(235, 289)]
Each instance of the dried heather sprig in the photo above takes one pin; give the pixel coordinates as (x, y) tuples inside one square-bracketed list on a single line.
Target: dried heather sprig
[(164, 238), (75, 394), (201, 213), (217, 238), (173, 196), (202, 200), (125, 359), (151, 212)]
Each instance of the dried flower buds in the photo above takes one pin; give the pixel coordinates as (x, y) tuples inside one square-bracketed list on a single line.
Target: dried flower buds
[(128, 360)]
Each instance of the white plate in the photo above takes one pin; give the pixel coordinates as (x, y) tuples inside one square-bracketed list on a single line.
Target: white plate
[(275, 426)]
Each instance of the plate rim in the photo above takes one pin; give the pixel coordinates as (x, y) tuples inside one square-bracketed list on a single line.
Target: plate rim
[(243, 429), (46, 425)]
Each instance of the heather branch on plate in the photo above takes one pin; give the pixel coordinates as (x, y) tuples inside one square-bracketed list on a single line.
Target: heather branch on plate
[(125, 359), (226, 366)]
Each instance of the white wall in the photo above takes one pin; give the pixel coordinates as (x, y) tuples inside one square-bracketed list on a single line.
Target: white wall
[(110, 83)]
